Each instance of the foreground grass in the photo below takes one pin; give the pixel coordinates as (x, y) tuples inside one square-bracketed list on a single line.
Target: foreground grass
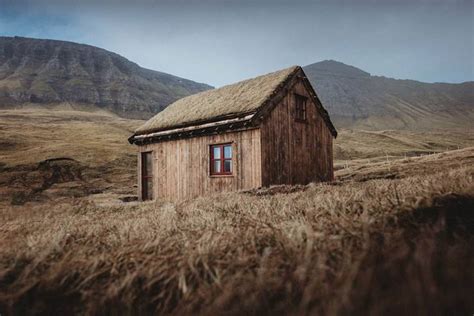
[(374, 247)]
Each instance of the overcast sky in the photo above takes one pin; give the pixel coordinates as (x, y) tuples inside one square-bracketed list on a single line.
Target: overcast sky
[(220, 42)]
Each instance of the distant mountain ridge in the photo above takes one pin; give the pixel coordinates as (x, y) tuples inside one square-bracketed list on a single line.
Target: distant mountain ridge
[(45, 71), (42, 72), (356, 99)]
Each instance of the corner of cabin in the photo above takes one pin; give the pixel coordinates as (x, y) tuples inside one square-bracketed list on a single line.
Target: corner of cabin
[(297, 138)]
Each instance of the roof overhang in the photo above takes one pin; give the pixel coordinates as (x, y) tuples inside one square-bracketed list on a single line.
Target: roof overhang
[(216, 127)]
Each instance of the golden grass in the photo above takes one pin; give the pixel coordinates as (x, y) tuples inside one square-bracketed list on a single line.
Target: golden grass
[(97, 141), (375, 247), (94, 138), (360, 144), (393, 235), (367, 169)]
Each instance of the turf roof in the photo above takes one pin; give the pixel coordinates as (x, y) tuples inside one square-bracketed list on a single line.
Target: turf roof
[(239, 98)]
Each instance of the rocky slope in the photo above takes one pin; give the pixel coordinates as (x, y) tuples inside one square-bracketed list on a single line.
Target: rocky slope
[(49, 71), (354, 98)]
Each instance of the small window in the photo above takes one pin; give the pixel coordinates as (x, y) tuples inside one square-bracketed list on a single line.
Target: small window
[(221, 159), (300, 108), (147, 176)]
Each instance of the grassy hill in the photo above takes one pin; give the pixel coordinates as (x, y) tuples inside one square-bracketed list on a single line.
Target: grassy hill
[(44, 72), (356, 99), (382, 245), (47, 155)]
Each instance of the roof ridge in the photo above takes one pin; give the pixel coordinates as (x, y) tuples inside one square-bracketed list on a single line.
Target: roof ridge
[(231, 100)]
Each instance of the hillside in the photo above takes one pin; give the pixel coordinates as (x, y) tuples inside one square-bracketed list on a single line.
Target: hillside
[(51, 155), (356, 99), (383, 240), (391, 234), (48, 71), (56, 154)]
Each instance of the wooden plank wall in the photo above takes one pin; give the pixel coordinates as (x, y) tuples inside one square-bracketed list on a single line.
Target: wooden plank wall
[(181, 167), (295, 152)]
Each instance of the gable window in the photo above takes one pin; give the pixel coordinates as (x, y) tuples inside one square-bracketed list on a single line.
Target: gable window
[(300, 108), (221, 159), (147, 176)]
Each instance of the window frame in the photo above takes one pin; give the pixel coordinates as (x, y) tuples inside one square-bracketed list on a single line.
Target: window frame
[(222, 160), (301, 112), (146, 175)]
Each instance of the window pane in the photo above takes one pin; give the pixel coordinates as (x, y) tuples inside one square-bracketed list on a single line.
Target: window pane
[(300, 102), (228, 166), (149, 189), (217, 152), (149, 166), (217, 166), (147, 176), (228, 151)]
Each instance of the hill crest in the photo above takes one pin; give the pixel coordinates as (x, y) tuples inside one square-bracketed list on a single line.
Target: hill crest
[(356, 99), (44, 71)]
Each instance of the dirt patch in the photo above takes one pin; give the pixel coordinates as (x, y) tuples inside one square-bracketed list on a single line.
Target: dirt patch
[(129, 198), (8, 145), (278, 189), (62, 178), (29, 182), (371, 176)]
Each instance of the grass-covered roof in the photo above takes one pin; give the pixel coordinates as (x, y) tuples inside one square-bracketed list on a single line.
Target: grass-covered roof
[(239, 98)]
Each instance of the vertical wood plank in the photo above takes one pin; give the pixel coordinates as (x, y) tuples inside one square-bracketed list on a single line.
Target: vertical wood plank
[(182, 166), (294, 152)]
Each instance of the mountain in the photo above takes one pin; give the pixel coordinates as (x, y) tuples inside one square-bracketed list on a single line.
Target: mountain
[(43, 71), (356, 99)]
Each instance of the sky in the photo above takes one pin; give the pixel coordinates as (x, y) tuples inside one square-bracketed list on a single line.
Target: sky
[(220, 42)]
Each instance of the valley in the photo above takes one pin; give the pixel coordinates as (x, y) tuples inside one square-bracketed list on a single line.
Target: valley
[(236, 158), (73, 230)]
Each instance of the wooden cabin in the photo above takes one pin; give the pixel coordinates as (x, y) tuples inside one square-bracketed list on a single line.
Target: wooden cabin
[(264, 131)]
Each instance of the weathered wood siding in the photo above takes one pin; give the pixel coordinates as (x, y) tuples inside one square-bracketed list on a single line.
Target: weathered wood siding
[(295, 152), (181, 167)]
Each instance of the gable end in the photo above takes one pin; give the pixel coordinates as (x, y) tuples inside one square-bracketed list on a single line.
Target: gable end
[(283, 90)]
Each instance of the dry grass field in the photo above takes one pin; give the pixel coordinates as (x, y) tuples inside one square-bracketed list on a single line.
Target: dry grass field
[(48, 155), (393, 144), (392, 235)]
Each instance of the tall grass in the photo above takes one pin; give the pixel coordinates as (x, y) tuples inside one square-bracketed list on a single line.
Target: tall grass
[(375, 247)]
